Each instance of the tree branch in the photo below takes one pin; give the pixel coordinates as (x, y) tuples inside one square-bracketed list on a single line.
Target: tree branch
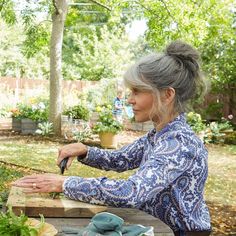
[(100, 4), (155, 14), (168, 11)]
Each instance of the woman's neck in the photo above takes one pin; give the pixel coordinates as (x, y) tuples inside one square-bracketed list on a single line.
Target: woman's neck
[(159, 125)]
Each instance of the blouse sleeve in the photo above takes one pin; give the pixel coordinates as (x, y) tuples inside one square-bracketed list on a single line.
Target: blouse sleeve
[(127, 158), (163, 166)]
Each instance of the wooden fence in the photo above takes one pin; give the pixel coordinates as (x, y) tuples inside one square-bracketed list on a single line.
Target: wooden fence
[(20, 86)]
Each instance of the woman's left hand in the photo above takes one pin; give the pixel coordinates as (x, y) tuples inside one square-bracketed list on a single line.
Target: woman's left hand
[(42, 183)]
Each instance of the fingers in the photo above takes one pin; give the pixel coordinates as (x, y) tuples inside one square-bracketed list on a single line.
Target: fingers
[(40, 183), (69, 163), (71, 151), (63, 153)]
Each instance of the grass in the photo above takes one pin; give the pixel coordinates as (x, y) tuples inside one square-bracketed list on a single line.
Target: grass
[(221, 183), (42, 156), (220, 191), (220, 187)]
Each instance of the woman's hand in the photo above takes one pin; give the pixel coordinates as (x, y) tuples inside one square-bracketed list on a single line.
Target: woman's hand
[(71, 150), (42, 183)]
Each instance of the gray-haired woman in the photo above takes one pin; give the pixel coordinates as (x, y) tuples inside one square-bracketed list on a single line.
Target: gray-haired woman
[(171, 160)]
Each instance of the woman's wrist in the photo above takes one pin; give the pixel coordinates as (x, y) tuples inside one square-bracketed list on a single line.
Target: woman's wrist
[(83, 152)]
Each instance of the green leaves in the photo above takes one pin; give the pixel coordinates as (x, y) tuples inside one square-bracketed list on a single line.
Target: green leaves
[(7, 11), (195, 121), (211, 29), (11, 225), (98, 54), (77, 112), (106, 122), (34, 111), (45, 128), (37, 38)]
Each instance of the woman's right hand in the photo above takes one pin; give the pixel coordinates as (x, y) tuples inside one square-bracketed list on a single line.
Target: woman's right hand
[(71, 150)]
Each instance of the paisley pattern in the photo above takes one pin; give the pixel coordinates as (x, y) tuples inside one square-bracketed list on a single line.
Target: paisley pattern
[(168, 183)]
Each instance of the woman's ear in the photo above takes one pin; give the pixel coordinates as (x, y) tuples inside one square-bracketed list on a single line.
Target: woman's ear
[(168, 95)]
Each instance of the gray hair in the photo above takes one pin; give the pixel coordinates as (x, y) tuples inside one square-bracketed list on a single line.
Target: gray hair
[(177, 67)]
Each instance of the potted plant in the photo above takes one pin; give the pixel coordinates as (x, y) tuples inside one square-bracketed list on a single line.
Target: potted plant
[(79, 112), (30, 115), (107, 127), (16, 119), (73, 119)]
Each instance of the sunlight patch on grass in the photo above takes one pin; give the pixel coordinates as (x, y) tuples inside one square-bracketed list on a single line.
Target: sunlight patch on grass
[(43, 156), (220, 186)]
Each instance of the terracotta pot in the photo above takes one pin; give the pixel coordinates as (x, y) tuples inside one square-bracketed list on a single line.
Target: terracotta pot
[(108, 140)]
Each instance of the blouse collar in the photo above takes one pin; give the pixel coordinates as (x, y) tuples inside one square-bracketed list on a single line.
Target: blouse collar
[(180, 120)]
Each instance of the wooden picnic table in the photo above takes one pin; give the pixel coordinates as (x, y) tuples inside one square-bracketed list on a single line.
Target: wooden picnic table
[(130, 216), (65, 212)]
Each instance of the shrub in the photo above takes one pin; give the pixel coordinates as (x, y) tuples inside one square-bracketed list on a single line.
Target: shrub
[(216, 132), (195, 121), (83, 133), (77, 112), (45, 128)]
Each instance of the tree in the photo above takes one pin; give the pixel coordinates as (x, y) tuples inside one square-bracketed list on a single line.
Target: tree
[(209, 26), (58, 20), (92, 58), (58, 8)]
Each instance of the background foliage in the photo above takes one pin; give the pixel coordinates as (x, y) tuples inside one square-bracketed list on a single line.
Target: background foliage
[(87, 55)]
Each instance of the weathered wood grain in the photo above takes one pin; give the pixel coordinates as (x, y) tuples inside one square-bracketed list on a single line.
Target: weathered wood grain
[(35, 204), (64, 212)]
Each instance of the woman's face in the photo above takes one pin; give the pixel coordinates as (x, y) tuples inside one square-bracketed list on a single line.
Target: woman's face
[(142, 103)]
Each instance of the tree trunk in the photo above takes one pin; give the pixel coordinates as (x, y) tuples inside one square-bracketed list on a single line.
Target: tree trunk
[(58, 19)]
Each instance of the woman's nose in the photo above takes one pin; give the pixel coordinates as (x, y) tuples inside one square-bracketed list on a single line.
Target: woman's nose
[(130, 99)]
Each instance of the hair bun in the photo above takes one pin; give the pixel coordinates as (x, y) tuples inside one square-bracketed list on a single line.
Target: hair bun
[(182, 50), (185, 55)]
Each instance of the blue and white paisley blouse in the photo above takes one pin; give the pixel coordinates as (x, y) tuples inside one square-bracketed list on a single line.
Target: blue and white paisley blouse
[(168, 184)]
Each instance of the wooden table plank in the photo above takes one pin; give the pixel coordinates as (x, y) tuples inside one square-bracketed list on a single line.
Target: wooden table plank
[(66, 212), (35, 204)]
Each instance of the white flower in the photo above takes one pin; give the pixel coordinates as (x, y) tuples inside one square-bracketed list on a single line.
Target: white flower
[(230, 116), (41, 106)]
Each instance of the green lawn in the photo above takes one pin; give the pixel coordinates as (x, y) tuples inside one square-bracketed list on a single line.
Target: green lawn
[(42, 156), (220, 188), (220, 191)]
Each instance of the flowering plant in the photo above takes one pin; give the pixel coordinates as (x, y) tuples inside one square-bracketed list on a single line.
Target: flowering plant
[(195, 122), (15, 112), (37, 111), (106, 121)]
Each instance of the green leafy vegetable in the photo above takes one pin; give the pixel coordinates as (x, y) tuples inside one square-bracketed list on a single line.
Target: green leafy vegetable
[(13, 225)]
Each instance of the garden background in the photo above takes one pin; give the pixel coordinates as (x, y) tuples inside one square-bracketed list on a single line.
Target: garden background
[(71, 57)]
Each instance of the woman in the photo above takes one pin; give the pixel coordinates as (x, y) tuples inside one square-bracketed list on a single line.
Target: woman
[(171, 160)]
